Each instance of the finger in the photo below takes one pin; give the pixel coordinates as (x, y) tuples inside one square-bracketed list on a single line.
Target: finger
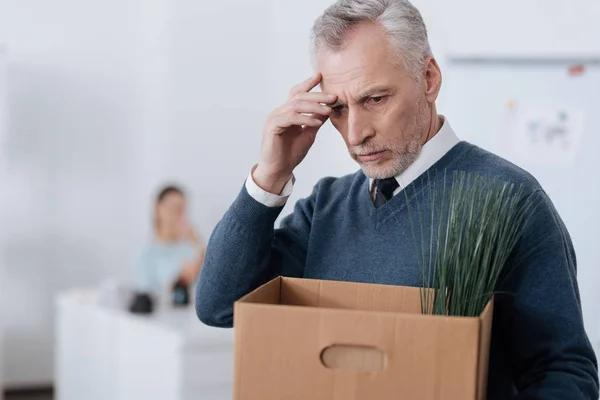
[(313, 129), (308, 107), (322, 118), (307, 85), (317, 97), (295, 119)]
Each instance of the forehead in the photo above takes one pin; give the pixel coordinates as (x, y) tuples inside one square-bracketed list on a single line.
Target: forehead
[(365, 60), (173, 198)]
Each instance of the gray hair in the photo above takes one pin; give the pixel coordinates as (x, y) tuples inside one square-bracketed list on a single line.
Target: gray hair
[(399, 18)]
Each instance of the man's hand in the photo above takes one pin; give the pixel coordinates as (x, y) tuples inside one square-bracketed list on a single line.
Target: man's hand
[(289, 132)]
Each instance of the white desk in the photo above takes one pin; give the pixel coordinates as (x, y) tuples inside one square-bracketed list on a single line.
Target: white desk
[(103, 353)]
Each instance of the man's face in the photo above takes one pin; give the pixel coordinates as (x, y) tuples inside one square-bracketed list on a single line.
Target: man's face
[(382, 113)]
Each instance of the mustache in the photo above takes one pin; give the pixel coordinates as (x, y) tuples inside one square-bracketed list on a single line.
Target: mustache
[(366, 149)]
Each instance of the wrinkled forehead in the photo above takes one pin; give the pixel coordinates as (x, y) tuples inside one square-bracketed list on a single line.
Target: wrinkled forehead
[(345, 74), (356, 68)]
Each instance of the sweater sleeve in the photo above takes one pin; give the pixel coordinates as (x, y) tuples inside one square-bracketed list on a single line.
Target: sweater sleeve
[(550, 353), (245, 251)]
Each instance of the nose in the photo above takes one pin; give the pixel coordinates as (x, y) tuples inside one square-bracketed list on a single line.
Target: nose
[(359, 129)]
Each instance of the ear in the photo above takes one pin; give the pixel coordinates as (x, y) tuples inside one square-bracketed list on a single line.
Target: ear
[(433, 79)]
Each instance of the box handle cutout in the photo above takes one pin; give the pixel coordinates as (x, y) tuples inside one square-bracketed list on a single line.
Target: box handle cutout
[(354, 358)]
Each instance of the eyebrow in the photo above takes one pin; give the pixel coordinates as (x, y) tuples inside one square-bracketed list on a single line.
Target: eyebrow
[(382, 90)]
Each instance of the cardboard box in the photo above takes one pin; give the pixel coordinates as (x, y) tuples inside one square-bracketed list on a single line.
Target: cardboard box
[(302, 339)]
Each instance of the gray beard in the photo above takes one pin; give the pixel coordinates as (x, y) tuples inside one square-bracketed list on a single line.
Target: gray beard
[(401, 163)]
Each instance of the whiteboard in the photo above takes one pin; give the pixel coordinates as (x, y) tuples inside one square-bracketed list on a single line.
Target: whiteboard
[(479, 98)]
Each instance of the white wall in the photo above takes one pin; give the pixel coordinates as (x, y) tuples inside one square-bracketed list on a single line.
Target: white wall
[(80, 118), (218, 100), (108, 100), (3, 115), (516, 27)]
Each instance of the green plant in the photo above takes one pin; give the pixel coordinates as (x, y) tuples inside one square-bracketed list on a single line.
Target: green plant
[(474, 224)]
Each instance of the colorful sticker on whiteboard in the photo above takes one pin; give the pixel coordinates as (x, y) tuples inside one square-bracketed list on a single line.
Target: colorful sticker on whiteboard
[(545, 135)]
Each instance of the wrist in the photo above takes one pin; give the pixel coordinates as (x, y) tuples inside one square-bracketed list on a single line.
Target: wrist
[(270, 182)]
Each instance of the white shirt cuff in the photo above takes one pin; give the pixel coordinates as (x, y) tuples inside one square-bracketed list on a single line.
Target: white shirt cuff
[(266, 198)]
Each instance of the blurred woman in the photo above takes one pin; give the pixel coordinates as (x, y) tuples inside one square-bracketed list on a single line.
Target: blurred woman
[(175, 253)]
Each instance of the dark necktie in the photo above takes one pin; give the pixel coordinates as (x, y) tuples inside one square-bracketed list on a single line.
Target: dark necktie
[(384, 190)]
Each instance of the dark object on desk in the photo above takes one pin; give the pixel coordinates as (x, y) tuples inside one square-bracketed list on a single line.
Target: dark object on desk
[(181, 294), (142, 303)]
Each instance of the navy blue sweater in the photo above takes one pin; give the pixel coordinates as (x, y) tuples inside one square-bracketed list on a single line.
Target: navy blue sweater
[(539, 347)]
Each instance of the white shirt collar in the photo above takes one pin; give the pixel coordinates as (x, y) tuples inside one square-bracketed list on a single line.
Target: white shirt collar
[(431, 153)]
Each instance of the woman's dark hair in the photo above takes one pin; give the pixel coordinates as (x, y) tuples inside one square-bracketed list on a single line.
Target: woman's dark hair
[(168, 190), (165, 191)]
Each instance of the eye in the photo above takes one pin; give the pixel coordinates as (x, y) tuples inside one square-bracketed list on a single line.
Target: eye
[(376, 99), (338, 109)]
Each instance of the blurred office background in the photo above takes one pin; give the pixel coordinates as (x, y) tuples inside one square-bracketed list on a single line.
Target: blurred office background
[(103, 101)]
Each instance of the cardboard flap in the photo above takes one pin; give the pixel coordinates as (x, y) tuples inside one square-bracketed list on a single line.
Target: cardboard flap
[(269, 293), (350, 295)]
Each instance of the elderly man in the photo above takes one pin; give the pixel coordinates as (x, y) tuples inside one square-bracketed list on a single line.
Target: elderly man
[(379, 85)]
